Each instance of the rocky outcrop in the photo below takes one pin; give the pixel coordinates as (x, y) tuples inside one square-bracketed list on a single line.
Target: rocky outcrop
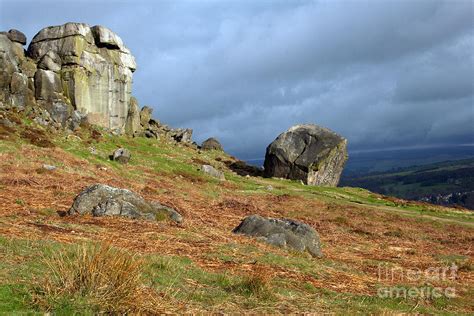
[(104, 200), (284, 233), (86, 68), (17, 88), (309, 153), (73, 74), (211, 144), (66, 69)]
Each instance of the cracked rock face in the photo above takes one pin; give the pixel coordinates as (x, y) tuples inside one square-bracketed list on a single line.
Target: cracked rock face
[(310, 153), (283, 233), (104, 200), (87, 67)]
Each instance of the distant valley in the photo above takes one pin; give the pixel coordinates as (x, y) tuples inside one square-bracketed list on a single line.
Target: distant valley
[(447, 183)]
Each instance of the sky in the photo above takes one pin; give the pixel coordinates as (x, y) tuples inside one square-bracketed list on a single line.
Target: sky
[(383, 74)]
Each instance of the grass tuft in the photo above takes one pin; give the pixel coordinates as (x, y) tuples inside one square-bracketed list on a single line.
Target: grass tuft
[(94, 276)]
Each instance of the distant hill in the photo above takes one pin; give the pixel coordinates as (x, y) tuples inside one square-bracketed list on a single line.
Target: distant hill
[(364, 162), (444, 183)]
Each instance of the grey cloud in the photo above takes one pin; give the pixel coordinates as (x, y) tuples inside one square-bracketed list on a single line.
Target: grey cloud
[(382, 73)]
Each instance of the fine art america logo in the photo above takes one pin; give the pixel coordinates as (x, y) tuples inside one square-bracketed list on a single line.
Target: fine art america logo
[(431, 274)]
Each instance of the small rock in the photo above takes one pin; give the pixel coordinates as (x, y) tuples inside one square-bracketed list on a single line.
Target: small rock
[(269, 188), (283, 233), (121, 155), (93, 150), (104, 200), (49, 167), (213, 172), (211, 144)]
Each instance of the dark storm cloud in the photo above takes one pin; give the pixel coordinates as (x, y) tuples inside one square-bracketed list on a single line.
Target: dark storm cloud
[(381, 73)]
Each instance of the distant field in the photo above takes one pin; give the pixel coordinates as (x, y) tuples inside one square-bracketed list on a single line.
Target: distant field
[(448, 183)]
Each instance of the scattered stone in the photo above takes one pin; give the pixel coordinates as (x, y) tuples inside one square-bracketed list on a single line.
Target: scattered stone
[(283, 233), (49, 167), (104, 200), (213, 172), (269, 188), (310, 153), (211, 144), (121, 155)]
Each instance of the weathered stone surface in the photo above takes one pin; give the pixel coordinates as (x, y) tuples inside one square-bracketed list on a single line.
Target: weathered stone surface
[(211, 144), (16, 36), (95, 69), (8, 61), (14, 86), (213, 172), (284, 233), (132, 125), (19, 83), (50, 61), (309, 153), (121, 155), (60, 112), (145, 116), (47, 85), (182, 135), (104, 200)]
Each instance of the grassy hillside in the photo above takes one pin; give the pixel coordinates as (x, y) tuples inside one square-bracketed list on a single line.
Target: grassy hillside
[(200, 265), (422, 182)]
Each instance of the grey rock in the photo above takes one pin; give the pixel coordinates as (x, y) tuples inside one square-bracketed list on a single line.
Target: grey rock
[(104, 200), (213, 172), (182, 135), (211, 144), (310, 153), (60, 112), (50, 61), (16, 36), (49, 167), (96, 70), (121, 155), (19, 83), (145, 116), (284, 233), (48, 85), (132, 125)]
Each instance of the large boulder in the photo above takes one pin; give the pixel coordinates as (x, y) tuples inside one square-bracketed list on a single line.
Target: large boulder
[(93, 67), (310, 153), (211, 144), (284, 233), (104, 200), (16, 36)]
